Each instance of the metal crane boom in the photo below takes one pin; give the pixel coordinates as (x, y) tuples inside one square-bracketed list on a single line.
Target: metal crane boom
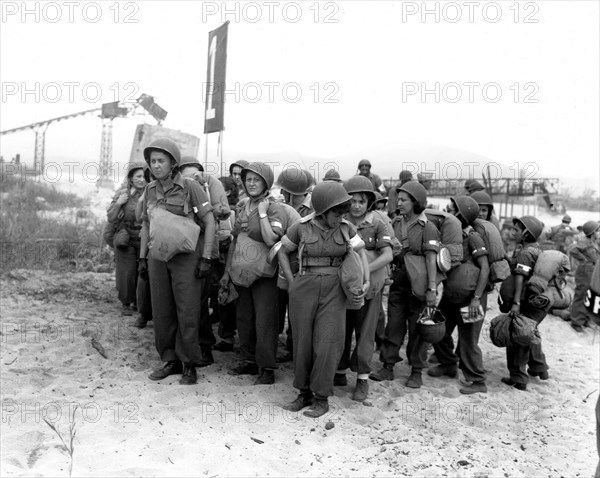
[(39, 124)]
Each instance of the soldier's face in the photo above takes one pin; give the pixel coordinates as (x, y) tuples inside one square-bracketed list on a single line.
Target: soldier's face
[(483, 212), (358, 205)]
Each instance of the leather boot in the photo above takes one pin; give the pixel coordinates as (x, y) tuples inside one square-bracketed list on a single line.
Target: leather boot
[(267, 377), (303, 400), (189, 376), (170, 368), (362, 390), (415, 380), (385, 373), (319, 408), (441, 370)]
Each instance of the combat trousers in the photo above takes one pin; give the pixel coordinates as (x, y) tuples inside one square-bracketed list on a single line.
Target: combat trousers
[(257, 322), (144, 300), (583, 279), (318, 316), (403, 311), (467, 354), (176, 303), (126, 273), (363, 322), (518, 356)]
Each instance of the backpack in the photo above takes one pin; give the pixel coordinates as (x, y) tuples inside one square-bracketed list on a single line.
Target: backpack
[(549, 265), (450, 231), (499, 267)]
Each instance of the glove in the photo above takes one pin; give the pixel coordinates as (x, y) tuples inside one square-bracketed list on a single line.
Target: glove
[(143, 268), (203, 268)]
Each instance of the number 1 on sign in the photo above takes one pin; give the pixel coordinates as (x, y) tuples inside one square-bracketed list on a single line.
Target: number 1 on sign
[(210, 111)]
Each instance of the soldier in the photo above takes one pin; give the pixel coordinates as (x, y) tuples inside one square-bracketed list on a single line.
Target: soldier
[(404, 177), (486, 207), (420, 244), (373, 230), (456, 296), (364, 169), (513, 299), (258, 227), (121, 213), (317, 300), (235, 172), (294, 185), (175, 285), (586, 252)]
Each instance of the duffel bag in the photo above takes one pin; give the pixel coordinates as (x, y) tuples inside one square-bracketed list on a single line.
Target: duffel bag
[(461, 282), (250, 261)]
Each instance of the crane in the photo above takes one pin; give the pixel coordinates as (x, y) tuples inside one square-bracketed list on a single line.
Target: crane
[(107, 113)]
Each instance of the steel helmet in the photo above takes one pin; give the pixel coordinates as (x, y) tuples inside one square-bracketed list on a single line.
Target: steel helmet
[(332, 175), (360, 184), (379, 197), (482, 198), (467, 207), (364, 162), (263, 170), (242, 163), (474, 186), (190, 161), (165, 145), (416, 191), (135, 165), (531, 224), (566, 218), (590, 227), (311, 179), (327, 195), (293, 180)]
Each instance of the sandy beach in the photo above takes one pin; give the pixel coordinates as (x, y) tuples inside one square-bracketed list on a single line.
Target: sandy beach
[(127, 425)]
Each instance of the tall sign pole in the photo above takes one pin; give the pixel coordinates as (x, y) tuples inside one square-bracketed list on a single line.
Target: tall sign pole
[(215, 87)]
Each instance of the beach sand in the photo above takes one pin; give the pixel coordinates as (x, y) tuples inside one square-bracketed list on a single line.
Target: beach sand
[(127, 425)]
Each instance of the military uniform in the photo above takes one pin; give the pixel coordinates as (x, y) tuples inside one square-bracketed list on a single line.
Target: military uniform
[(417, 237), (126, 256), (375, 234), (258, 304), (175, 291), (517, 356), (317, 302), (586, 252), (468, 354)]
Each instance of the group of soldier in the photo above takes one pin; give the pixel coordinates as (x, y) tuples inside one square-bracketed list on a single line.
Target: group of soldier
[(321, 255)]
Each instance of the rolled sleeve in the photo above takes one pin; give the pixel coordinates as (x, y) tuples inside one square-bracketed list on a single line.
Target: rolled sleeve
[(431, 238), (276, 218), (477, 245), (291, 239), (199, 200), (525, 263), (383, 238)]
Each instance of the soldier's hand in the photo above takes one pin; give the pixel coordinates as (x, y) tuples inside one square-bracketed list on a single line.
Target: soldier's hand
[(263, 207), (430, 298), (203, 268), (143, 268)]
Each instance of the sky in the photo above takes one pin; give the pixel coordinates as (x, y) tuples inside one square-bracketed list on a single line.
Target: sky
[(514, 82)]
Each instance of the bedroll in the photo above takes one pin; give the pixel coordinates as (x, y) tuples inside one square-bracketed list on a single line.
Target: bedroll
[(450, 232), (550, 264)]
